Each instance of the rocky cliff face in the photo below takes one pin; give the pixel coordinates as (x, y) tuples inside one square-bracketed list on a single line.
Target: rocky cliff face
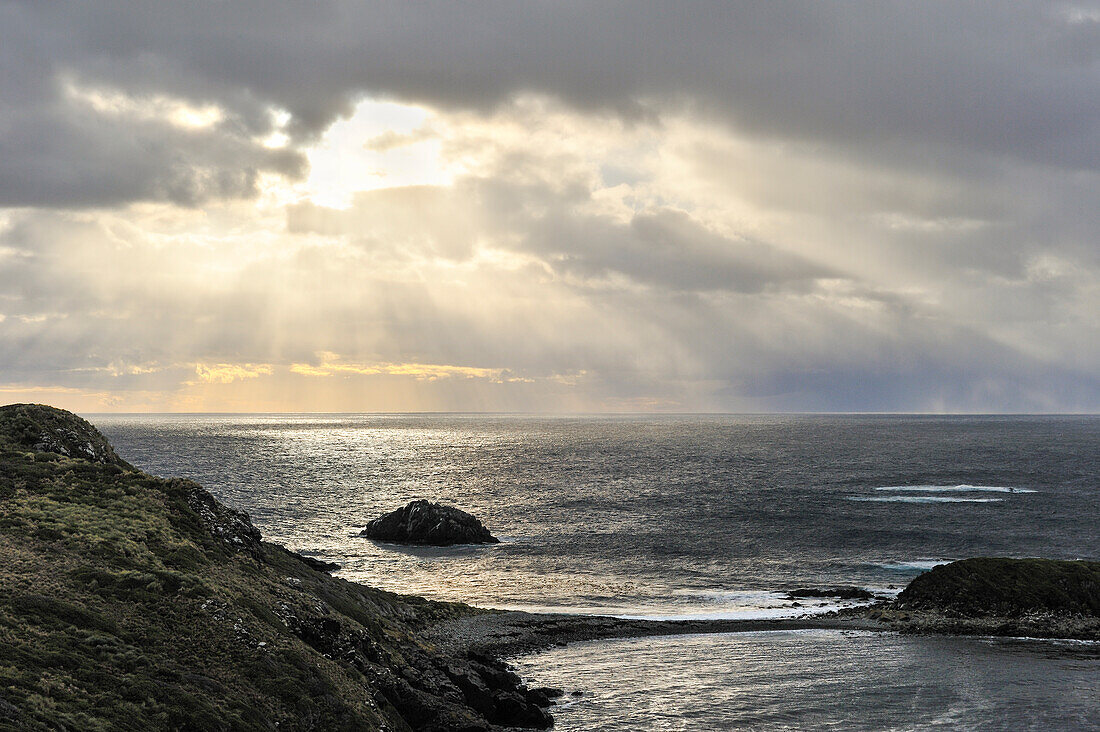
[(133, 602)]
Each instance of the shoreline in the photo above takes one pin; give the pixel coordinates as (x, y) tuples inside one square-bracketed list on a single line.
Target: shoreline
[(506, 634), (509, 633)]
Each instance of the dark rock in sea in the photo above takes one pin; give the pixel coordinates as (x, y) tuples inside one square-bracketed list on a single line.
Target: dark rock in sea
[(514, 710), (428, 524), (543, 696), (318, 564), (842, 593), (497, 693)]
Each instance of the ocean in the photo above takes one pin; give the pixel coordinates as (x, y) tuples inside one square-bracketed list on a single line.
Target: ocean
[(690, 516)]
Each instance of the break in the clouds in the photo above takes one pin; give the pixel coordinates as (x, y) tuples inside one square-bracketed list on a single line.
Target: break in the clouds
[(550, 206)]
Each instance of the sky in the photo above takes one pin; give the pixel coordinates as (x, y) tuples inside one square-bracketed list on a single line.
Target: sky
[(550, 206)]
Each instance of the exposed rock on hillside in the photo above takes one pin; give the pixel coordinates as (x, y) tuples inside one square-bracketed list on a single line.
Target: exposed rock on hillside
[(232, 528), (431, 524), (45, 430)]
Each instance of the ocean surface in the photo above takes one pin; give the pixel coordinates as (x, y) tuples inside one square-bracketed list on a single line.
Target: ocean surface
[(690, 516)]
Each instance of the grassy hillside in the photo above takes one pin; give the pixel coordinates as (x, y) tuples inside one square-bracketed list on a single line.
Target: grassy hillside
[(137, 603)]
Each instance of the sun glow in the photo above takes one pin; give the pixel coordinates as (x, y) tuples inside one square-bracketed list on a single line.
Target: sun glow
[(331, 365), (381, 145)]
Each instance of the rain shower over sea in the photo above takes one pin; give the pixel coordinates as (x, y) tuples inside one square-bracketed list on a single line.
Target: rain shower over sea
[(690, 516)]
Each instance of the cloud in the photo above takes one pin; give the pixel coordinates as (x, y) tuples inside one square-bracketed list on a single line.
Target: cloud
[(664, 248), (330, 364), (227, 373), (917, 85), (612, 206), (390, 139)]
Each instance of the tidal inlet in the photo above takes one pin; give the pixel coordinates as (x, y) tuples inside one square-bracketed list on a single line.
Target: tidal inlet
[(489, 366)]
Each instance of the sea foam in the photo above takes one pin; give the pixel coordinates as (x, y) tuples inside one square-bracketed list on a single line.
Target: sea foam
[(962, 488), (918, 565), (922, 499)]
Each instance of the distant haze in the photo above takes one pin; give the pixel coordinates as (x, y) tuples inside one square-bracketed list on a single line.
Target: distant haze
[(550, 206)]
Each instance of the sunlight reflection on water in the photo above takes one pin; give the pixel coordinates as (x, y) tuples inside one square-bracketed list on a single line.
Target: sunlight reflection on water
[(820, 680)]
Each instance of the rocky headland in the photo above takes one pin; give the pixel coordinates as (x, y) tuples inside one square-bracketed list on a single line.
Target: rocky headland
[(1036, 598), (132, 602)]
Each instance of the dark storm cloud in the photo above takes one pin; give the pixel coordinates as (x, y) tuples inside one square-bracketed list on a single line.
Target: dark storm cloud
[(911, 83)]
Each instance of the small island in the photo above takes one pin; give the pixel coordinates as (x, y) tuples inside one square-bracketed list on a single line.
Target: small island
[(423, 523), (137, 602)]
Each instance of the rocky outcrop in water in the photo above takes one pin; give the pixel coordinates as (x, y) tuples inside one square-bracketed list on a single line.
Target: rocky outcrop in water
[(841, 593), (319, 564), (428, 524)]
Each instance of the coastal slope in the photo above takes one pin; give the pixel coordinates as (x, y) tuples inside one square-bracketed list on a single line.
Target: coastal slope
[(138, 603)]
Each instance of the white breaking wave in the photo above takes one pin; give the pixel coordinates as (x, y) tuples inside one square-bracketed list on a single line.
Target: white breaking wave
[(962, 488), (922, 499), (717, 604), (778, 613), (919, 565), (744, 597), (788, 609)]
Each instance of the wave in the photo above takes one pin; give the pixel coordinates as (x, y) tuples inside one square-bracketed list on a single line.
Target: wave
[(786, 611), (740, 596), (919, 565), (962, 488), (713, 604), (886, 592), (921, 499), (643, 612)]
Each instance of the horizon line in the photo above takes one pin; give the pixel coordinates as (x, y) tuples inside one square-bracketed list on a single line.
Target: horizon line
[(808, 413)]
